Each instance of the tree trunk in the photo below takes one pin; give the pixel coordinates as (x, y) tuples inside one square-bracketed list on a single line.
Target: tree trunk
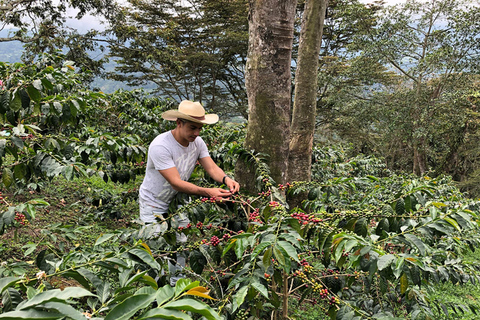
[(268, 85), (304, 107), (305, 103), (419, 158)]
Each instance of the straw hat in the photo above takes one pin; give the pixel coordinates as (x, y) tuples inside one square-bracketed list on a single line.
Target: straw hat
[(191, 111)]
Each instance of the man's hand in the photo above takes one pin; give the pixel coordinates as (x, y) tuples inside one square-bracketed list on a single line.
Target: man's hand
[(232, 185), (218, 193)]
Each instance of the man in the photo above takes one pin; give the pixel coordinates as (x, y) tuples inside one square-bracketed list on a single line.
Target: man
[(172, 156)]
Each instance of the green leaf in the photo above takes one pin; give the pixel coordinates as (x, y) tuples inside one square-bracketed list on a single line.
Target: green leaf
[(17, 142), (453, 223), (47, 84), (289, 249), (417, 243), (64, 309), (197, 261), (384, 261), (403, 283), (229, 246), (19, 171), (34, 94), (239, 297), (77, 276), (16, 103), (128, 307), (165, 314), (260, 288), (31, 314), (258, 249), (183, 285), (55, 294), (267, 257), (31, 247), (164, 294), (7, 177), (146, 257), (103, 238), (400, 207), (279, 255), (361, 227), (7, 282), (193, 306)]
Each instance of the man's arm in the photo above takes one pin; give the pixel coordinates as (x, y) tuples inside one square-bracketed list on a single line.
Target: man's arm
[(173, 177), (217, 174)]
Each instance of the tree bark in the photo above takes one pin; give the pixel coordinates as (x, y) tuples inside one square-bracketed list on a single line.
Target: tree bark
[(268, 85), (304, 107)]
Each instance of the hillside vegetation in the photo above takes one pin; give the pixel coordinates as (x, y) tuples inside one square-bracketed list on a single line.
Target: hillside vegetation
[(365, 243)]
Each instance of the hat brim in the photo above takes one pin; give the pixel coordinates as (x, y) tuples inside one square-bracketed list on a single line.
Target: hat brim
[(173, 115)]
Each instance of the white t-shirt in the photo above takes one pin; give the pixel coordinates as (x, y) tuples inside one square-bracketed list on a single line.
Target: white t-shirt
[(163, 153)]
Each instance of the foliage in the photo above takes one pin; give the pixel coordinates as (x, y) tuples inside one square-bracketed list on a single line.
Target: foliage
[(404, 121), (193, 51), (41, 26)]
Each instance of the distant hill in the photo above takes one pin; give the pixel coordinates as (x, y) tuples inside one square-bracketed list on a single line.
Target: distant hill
[(11, 52)]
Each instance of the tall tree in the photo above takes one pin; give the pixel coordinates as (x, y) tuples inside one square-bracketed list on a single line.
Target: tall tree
[(306, 87), (268, 84), (189, 49), (41, 26), (424, 41)]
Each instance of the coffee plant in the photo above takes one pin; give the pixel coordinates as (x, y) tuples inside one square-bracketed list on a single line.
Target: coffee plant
[(365, 243)]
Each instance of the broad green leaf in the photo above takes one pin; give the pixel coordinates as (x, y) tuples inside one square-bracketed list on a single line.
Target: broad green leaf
[(403, 283), (453, 223), (18, 142), (164, 294), (146, 257), (165, 314), (258, 249), (149, 281), (7, 282), (30, 248), (104, 237), (30, 210), (361, 227), (7, 177), (46, 83), (384, 261), (77, 276), (31, 314), (239, 297), (128, 307), (56, 295), (400, 207), (193, 306), (229, 246), (279, 255), (289, 249), (267, 257), (34, 94), (184, 284), (260, 288), (16, 103), (135, 278), (64, 309), (416, 242)]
